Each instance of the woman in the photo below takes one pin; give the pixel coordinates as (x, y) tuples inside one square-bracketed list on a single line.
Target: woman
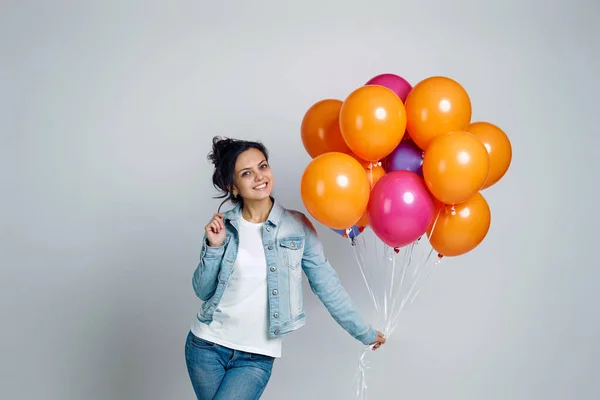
[(250, 279)]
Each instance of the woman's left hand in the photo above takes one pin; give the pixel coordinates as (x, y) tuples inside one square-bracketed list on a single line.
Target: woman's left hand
[(379, 340)]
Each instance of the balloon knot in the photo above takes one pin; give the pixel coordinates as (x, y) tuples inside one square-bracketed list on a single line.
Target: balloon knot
[(397, 250), (440, 255), (361, 229)]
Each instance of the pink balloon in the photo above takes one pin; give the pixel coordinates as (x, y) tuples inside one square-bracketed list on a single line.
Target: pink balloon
[(395, 83), (400, 208)]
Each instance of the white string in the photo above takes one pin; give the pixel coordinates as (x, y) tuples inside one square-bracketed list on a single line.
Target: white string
[(393, 280)]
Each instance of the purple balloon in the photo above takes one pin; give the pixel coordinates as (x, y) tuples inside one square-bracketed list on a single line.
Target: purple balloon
[(395, 83), (406, 157), (400, 208), (354, 232)]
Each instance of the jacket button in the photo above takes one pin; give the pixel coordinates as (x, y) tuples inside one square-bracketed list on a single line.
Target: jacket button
[(293, 244), (273, 269), (275, 292), (268, 229), (276, 315), (277, 331), (270, 247)]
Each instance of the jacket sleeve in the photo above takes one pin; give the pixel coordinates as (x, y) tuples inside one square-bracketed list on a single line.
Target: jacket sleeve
[(206, 274), (325, 283)]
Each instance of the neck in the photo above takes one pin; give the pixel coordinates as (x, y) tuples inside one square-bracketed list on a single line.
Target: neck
[(257, 211)]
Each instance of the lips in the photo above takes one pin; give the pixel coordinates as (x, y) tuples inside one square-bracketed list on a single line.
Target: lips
[(262, 186)]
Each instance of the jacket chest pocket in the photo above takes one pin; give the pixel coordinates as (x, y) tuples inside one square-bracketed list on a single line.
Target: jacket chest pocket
[(292, 250)]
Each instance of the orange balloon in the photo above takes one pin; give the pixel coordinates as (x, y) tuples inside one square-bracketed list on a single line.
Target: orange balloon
[(362, 162), (363, 222), (374, 174), (320, 128), (455, 166), (372, 122), (435, 106), (460, 228), (498, 147), (335, 190)]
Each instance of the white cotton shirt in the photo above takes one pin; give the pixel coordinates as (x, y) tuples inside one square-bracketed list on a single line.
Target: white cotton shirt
[(241, 321)]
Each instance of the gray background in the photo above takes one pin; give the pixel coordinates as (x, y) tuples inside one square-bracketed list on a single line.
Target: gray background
[(106, 114)]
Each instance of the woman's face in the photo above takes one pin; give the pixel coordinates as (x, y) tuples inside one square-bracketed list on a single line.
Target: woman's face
[(253, 179)]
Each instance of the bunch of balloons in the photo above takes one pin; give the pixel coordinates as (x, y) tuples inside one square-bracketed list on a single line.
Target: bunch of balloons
[(404, 160)]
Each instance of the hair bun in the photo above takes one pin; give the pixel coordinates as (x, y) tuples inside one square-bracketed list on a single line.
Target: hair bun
[(219, 150)]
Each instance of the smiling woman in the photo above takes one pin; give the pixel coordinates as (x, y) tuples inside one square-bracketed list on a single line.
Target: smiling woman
[(253, 178), (250, 279)]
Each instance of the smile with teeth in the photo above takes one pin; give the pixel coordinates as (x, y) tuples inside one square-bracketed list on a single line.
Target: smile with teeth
[(262, 186)]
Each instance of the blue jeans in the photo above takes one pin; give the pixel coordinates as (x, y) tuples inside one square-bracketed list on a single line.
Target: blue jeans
[(220, 373)]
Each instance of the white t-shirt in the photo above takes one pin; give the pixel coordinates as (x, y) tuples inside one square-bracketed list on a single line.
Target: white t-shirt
[(241, 319)]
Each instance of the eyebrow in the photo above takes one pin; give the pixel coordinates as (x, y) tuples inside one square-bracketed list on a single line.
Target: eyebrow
[(247, 168)]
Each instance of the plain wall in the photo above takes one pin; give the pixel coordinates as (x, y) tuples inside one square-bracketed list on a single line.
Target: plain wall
[(107, 110)]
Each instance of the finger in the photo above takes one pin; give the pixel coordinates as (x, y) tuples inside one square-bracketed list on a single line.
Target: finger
[(219, 220), (215, 227)]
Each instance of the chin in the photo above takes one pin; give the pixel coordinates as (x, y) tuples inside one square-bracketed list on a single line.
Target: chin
[(262, 196)]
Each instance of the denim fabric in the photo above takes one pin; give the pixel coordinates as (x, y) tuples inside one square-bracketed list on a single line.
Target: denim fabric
[(221, 373), (291, 246)]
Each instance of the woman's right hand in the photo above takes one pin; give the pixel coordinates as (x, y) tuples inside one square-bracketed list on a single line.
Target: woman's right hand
[(215, 231)]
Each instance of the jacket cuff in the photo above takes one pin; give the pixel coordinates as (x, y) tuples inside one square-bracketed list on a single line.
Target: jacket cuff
[(368, 337), (212, 252)]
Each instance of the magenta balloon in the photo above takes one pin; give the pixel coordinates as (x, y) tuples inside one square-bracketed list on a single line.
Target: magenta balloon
[(400, 208), (395, 83)]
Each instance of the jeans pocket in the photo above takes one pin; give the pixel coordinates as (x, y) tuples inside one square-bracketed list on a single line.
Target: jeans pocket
[(200, 343), (261, 357)]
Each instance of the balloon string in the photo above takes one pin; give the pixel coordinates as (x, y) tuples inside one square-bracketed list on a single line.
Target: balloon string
[(412, 287), (361, 266), (360, 380), (435, 264), (405, 264), (392, 282)]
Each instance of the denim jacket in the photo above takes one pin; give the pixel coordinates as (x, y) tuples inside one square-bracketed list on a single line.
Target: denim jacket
[(291, 246)]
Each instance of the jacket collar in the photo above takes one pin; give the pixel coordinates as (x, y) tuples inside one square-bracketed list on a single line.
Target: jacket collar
[(274, 218)]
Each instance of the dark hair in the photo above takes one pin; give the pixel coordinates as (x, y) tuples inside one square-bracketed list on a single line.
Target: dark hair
[(224, 154)]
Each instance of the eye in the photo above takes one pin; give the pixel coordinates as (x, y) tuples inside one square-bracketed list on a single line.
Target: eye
[(245, 173), (264, 166)]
